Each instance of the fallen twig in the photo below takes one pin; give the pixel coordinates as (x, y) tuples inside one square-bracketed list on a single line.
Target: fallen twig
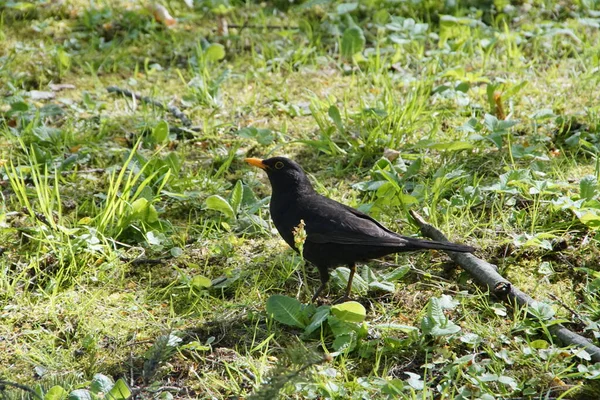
[(488, 275), (145, 261), (84, 171), (270, 27), (19, 386), (172, 109)]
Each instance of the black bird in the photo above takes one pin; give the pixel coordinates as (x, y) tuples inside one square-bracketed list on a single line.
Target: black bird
[(335, 233)]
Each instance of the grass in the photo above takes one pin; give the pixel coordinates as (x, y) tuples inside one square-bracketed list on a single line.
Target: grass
[(129, 249)]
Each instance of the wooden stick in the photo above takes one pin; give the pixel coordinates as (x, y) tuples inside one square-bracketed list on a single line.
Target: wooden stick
[(487, 274), (145, 99)]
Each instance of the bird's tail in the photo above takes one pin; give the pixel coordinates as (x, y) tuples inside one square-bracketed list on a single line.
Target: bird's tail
[(420, 244)]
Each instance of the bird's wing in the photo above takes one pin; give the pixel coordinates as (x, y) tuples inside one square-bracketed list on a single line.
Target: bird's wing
[(333, 222)]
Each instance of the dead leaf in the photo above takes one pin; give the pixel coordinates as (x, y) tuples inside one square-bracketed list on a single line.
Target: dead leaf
[(161, 14), (40, 95), (57, 87)]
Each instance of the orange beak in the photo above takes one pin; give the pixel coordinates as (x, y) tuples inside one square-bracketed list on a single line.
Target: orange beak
[(257, 162)]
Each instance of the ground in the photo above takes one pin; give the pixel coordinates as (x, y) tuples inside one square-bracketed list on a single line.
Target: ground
[(135, 243)]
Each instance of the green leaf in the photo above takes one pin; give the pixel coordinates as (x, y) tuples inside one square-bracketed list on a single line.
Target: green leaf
[(435, 322), (320, 316), (217, 203), (334, 114), (101, 384), (19, 106), (176, 251), (350, 311), (587, 187), (286, 310), (353, 41), (201, 282), (415, 381), (339, 327), (383, 286), (345, 342), (195, 346), (345, 8), (143, 211), (55, 393), (214, 52), (160, 133), (539, 344), (261, 135), (80, 394), (396, 274), (341, 275), (236, 197), (120, 391), (589, 219)]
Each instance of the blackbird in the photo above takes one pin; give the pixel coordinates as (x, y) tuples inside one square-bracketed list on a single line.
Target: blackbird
[(335, 233)]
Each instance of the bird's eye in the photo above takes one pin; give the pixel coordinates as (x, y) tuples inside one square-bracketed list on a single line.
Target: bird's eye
[(278, 165)]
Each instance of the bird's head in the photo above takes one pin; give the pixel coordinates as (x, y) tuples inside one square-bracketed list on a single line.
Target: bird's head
[(284, 174)]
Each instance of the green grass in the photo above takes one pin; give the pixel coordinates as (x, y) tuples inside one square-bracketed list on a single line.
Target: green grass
[(109, 246)]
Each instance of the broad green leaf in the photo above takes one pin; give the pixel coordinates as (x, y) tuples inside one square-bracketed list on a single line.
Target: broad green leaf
[(217, 203), (101, 384), (543, 114), (350, 311), (590, 220), (176, 251), (160, 133), (353, 41), (415, 381), (334, 114), (542, 310), (317, 320), (236, 197), (587, 187), (261, 135), (214, 52), (195, 346), (120, 391), (435, 322), (80, 394), (507, 380), (55, 393), (447, 302), (394, 388), (539, 344), (345, 342), (341, 274), (383, 286), (339, 327), (345, 8), (396, 274), (286, 310), (144, 211), (19, 106), (19, 5), (201, 282), (471, 338), (448, 328)]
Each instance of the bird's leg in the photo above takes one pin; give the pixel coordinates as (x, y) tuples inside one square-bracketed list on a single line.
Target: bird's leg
[(324, 275), (350, 278), (346, 296)]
